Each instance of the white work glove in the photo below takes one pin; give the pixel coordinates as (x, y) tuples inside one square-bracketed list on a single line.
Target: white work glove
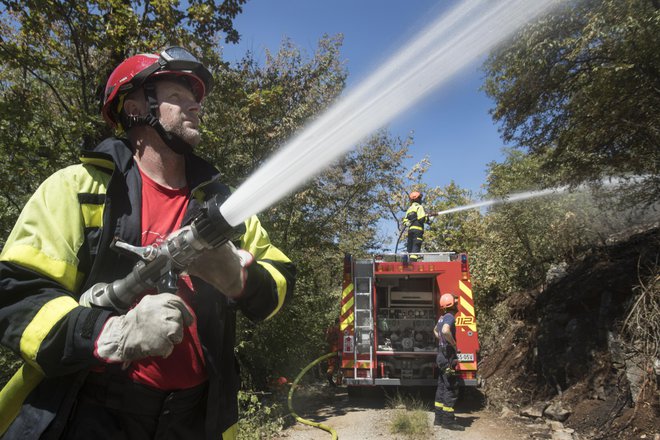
[(151, 328), (224, 267)]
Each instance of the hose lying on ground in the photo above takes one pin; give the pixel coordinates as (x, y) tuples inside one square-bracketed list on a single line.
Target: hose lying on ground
[(293, 387)]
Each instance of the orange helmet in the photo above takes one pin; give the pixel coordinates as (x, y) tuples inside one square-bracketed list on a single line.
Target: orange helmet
[(415, 195), (447, 300)]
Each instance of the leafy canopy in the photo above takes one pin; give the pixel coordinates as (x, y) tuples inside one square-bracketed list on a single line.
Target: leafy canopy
[(580, 88)]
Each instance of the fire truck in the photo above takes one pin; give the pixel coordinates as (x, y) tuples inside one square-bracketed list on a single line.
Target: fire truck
[(389, 307)]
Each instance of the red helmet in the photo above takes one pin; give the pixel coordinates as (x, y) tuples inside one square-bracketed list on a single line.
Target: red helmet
[(415, 195), (447, 300), (133, 72)]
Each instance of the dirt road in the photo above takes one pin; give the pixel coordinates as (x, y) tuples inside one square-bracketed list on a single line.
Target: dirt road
[(369, 417)]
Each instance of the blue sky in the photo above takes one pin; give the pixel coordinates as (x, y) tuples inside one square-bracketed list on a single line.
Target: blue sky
[(451, 126)]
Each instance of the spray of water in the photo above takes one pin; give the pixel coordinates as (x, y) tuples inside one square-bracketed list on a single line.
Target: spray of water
[(607, 183), (449, 44), (510, 198)]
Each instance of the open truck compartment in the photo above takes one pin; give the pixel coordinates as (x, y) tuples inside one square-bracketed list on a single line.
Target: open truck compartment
[(389, 307)]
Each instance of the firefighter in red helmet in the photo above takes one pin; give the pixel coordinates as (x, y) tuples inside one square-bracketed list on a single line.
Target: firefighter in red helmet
[(165, 368), (139, 75), (414, 220), (447, 391)]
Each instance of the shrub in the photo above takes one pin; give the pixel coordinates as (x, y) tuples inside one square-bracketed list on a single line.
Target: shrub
[(257, 420), (410, 417)]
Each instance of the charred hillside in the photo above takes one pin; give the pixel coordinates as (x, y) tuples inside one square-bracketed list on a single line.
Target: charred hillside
[(582, 350)]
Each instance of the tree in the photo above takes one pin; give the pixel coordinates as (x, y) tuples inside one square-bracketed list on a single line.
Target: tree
[(257, 108), (444, 232), (448, 232), (580, 88), (519, 241)]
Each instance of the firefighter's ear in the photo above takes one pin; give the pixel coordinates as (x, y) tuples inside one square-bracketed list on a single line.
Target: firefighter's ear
[(133, 107), (135, 103)]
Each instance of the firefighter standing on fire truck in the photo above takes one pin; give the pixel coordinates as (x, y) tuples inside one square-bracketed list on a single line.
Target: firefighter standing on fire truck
[(447, 392), (414, 221)]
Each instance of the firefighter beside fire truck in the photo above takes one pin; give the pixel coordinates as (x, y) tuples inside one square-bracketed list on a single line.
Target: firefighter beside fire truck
[(447, 391)]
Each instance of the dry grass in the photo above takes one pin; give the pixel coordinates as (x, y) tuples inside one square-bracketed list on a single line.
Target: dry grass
[(642, 325), (410, 418)]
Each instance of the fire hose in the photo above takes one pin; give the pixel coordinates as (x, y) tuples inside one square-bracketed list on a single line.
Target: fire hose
[(396, 247), (160, 265), (293, 387)]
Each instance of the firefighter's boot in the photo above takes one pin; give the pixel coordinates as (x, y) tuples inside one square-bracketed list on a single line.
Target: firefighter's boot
[(453, 426), (448, 421)]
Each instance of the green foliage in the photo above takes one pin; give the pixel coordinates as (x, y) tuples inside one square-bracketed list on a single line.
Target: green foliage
[(257, 420), (518, 242), (580, 88), (256, 108), (449, 232), (494, 319), (513, 245), (32, 143), (412, 424)]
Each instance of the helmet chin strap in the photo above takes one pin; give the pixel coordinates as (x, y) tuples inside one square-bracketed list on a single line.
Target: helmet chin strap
[(175, 142)]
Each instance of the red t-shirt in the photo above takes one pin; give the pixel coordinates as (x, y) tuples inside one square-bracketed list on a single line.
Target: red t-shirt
[(162, 213)]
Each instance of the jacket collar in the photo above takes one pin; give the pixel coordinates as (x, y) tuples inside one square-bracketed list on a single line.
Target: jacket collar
[(117, 154)]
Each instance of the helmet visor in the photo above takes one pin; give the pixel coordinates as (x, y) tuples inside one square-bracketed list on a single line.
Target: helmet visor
[(176, 59)]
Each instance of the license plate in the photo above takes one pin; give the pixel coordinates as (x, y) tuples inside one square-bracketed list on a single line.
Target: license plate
[(465, 357)]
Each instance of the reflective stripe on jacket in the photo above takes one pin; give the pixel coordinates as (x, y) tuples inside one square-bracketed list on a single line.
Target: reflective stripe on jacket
[(415, 217), (59, 247)]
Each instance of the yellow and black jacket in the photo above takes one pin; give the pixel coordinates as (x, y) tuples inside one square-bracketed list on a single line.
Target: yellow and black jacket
[(60, 246), (415, 217)]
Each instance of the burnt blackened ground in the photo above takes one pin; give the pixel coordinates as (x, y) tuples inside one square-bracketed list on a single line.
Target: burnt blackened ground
[(563, 344)]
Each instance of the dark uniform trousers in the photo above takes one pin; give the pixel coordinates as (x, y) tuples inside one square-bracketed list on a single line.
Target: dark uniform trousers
[(415, 238), (112, 407), (446, 393)]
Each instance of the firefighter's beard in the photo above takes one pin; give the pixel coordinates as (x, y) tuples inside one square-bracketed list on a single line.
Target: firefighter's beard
[(188, 132)]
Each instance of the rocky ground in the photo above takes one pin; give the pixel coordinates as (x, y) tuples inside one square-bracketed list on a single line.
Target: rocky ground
[(564, 355), (370, 417)]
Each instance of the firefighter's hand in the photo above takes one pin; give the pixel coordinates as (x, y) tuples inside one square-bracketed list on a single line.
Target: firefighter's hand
[(151, 328), (224, 267)]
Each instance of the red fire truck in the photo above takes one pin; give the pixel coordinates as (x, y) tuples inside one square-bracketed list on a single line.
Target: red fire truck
[(389, 307)]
